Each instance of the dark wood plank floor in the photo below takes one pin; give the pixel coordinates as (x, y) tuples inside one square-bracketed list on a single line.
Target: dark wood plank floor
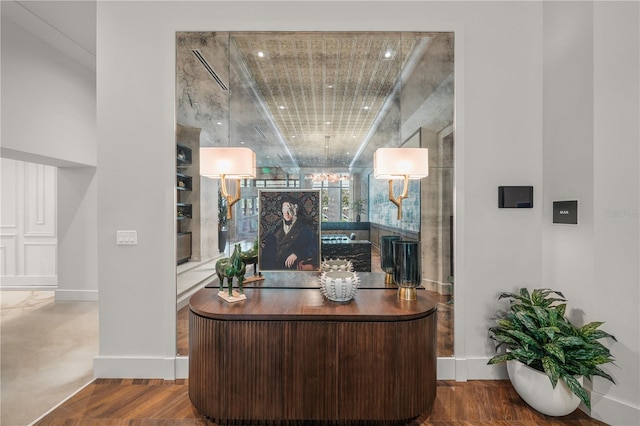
[(133, 402)]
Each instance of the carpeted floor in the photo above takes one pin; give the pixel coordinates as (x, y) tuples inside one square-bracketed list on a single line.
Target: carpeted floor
[(47, 350)]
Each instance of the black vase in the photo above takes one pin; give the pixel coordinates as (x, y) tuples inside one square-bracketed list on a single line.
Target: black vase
[(222, 239), (407, 268), (386, 256)]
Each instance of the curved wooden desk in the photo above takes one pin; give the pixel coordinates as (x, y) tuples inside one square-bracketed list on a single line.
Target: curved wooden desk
[(291, 355)]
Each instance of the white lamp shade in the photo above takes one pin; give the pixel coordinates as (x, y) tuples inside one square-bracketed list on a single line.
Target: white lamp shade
[(396, 163), (233, 162)]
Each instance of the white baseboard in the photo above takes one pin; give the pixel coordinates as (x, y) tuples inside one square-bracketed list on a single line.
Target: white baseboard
[(478, 369), (105, 367), (182, 367), (449, 368), (463, 369), (446, 368), (613, 412), (30, 283), (76, 295), (444, 289)]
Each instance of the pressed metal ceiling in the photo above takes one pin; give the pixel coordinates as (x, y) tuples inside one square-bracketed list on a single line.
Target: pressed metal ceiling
[(307, 100), (324, 90)]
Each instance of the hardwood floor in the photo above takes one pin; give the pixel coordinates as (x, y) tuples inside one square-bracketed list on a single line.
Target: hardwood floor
[(132, 402)]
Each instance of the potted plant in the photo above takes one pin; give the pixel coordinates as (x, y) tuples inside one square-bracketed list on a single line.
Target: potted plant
[(222, 221), (358, 207), (541, 341)]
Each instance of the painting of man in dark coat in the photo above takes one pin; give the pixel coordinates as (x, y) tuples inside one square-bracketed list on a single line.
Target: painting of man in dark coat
[(289, 231)]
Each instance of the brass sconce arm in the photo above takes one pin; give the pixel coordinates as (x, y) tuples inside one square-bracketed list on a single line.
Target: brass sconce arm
[(398, 200), (231, 200)]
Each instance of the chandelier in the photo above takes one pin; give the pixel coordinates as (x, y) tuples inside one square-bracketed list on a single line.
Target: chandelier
[(330, 177)]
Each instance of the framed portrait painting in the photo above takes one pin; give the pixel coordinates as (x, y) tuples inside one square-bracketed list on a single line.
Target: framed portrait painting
[(289, 230)]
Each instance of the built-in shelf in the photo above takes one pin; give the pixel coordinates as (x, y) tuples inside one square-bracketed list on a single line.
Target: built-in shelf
[(183, 211), (183, 155), (187, 194), (183, 182)]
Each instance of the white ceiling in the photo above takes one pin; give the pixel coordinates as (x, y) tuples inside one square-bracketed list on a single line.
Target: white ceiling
[(70, 26)]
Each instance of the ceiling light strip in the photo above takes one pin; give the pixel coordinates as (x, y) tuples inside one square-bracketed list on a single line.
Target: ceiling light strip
[(406, 70), (238, 63)]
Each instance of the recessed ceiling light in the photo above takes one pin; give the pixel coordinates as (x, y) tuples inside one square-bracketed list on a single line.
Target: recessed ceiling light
[(260, 54), (366, 107), (388, 54), (282, 107), (219, 123), (329, 86), (328, 122), (354, 136), (241, 142)]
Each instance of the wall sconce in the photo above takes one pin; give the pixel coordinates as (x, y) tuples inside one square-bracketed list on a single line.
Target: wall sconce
[(400, 163), (228, 163)]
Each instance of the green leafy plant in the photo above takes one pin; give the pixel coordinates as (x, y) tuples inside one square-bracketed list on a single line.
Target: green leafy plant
[(536, 332), (358, 205)]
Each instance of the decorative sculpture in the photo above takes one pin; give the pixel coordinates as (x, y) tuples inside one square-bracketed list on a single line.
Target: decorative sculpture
[(250, 257), (337, 265), (229, 268)]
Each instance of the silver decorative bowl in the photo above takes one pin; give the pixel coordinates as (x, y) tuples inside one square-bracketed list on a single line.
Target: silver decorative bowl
[(337, 265), (339, 286)]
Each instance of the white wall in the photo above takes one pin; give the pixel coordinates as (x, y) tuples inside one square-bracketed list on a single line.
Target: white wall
[(499, 58), (499, 141), (78, 233), (49, 117), (591, 151), (616, 128), (28, 237)]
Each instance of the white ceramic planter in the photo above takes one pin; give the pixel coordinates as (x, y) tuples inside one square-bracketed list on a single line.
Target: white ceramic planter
[(535, 389), (339, 286)]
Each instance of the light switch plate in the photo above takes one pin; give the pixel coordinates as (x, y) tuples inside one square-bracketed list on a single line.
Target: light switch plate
[(127, 238)]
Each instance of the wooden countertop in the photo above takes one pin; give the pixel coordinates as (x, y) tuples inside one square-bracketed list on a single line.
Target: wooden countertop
[(307, 304)]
